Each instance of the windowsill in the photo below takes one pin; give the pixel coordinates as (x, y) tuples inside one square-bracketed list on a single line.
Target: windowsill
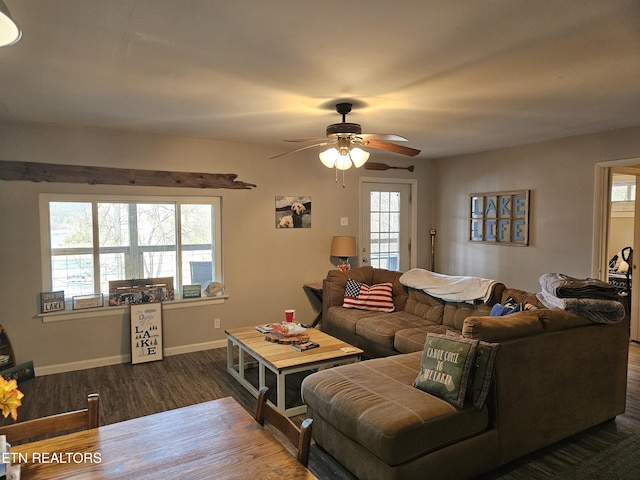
[(176, 304)]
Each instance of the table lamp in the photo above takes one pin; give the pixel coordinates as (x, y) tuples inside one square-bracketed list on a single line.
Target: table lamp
[(343, 248)]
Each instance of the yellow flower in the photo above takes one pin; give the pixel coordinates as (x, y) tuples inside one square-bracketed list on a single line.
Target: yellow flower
[(10, 397)]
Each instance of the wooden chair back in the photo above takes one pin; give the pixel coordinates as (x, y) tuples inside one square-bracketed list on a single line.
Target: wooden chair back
[(63, 422), (299, 437)]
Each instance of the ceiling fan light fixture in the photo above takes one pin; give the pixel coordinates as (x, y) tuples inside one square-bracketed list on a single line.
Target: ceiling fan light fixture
[(329, 157), (9, 31), (343, 162), (358, 156)]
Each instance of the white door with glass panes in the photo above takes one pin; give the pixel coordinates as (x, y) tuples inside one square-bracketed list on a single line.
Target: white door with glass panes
[(386, 226)]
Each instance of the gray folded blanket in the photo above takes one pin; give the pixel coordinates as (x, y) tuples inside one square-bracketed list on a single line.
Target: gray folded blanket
[(596, 310), (564, 286)]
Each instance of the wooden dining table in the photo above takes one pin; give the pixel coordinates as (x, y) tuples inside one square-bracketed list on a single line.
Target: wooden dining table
[(210, 440)]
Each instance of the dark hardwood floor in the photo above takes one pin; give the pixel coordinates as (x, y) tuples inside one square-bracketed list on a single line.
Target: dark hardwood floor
[(128, 391)]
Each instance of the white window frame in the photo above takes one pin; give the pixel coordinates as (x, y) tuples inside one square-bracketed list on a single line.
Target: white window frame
[(45, 199)]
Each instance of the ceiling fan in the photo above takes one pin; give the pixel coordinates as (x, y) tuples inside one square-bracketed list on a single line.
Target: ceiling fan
[(345, 139)]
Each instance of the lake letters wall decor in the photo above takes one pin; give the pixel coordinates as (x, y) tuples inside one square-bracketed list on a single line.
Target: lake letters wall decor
[(146, 332), (500, 217)]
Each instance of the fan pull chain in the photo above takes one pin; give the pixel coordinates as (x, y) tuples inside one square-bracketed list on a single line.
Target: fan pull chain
[(343, 184)]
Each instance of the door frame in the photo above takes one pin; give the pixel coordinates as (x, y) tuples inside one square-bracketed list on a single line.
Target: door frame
[(413, 214), (601, 214)]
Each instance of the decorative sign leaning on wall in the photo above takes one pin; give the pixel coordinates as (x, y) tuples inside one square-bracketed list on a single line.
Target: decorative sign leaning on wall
[(146, 332), (500, 217)]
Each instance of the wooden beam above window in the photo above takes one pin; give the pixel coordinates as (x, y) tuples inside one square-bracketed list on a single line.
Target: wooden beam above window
[(56, 173)]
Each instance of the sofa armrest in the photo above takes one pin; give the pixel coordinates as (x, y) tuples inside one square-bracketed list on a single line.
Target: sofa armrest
[(496, 329)]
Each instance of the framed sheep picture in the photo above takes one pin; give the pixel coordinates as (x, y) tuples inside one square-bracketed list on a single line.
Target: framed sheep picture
[(293, 212)]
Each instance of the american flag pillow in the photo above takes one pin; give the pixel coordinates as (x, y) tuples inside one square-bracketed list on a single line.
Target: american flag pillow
[(375, 297)]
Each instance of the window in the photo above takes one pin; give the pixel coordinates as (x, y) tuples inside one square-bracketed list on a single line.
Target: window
[(90, 241), (623, 188), (386, 225)]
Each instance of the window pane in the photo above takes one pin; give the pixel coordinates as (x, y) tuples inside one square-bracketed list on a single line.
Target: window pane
[(72, 273), (112, 267), (394, 201), (394, 222), (196, 224), (70, 224), (159, 264), (156, 224), (375, 201), (197, 267), (384, 222), (384, 243), (113, 224), (375, 222), (384, 201)]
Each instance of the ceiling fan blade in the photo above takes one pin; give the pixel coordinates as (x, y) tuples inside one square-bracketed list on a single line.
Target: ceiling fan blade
[(307, 139), (388, 137), (391, 147), (300, 149)]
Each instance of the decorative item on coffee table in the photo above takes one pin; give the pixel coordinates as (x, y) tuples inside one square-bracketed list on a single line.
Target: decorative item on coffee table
[(287, 334)]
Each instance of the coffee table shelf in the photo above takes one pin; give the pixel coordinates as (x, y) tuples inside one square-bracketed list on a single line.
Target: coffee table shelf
[(282, 360)]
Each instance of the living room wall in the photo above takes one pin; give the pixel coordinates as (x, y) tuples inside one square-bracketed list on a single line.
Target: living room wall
[(560, 176), (264, 267)]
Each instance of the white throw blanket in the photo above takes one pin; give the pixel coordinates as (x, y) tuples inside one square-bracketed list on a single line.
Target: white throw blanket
[(447, 287)]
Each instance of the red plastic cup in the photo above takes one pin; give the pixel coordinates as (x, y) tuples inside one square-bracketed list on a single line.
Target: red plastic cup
[(288, 315)]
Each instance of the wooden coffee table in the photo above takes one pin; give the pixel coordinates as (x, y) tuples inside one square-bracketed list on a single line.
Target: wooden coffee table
[(283, 360)]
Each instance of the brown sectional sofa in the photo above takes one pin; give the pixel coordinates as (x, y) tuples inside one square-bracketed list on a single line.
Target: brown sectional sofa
[(555, 374), (405, 329)]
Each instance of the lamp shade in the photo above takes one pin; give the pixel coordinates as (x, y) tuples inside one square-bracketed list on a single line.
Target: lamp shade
[(9, 31), (359, 157), (343, 247)]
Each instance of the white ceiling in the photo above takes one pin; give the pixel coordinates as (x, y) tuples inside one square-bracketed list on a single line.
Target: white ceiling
[(453, 76)]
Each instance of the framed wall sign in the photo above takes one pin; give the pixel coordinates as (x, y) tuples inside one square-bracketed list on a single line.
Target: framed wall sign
[(51, 301), (146, 332), (93, 300), (500, 218), (191, 291)]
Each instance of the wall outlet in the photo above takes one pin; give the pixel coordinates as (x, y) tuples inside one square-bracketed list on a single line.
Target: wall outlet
[(344, 221), (216, 323)]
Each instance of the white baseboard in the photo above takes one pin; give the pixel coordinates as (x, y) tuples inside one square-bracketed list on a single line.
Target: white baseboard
[(104, 361), (195, 347)]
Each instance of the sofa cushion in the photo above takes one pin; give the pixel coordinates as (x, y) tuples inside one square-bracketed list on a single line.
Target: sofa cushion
[(446, 366), (424, 306), (382, 329), (374, 404), (380, 275), (408, 340), (455, 313), (346, 318), (376, 297)]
